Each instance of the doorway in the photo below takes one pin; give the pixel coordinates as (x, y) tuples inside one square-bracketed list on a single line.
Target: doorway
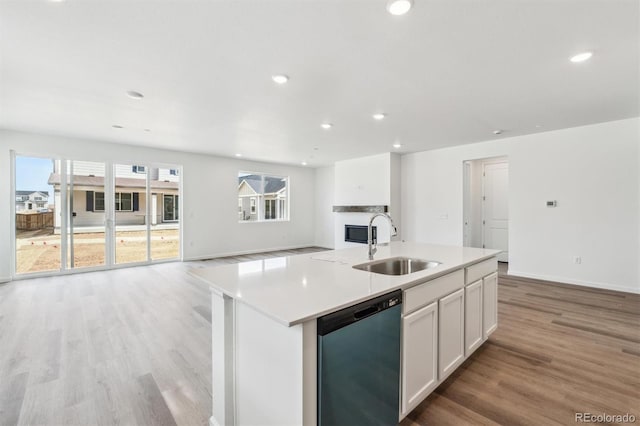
[(486, 204)]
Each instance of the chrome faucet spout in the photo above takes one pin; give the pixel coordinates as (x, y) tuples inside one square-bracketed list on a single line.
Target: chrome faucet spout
[(373, 247)]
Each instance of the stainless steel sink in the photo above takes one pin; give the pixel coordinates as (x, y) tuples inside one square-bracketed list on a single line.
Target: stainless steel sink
[(397, 266)]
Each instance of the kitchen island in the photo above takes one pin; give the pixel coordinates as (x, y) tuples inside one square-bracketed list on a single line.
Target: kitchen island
[(264, 324)]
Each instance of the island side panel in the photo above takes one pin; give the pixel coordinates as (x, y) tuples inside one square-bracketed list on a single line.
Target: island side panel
[(310, 373), (268, 370), (222, 319)]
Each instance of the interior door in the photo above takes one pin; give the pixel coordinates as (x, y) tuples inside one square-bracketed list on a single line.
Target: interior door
[(495, 208)]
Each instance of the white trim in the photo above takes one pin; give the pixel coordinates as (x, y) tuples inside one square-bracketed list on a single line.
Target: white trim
[(5, 280), (240, 253), (571, 281), (12, 220), (101, 268)]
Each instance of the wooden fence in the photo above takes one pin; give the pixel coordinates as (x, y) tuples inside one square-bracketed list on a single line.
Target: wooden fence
[(29, 221)]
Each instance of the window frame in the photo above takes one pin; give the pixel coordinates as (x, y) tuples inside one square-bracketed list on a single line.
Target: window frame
[(281, 201), (117, 201)]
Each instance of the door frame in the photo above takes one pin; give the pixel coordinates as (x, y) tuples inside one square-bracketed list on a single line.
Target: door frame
[(468, 196), (109, 183), (485, 163)]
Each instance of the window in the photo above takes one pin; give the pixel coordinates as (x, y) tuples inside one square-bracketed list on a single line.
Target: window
[(98, 202), (138, 169), (37, 198), (123, 202), (173, 172), (170, 210), (262, 197)]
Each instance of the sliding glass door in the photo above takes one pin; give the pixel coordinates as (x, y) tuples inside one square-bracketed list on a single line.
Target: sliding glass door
[(165, 216), (87, 214), (37, 223), (130, 213)]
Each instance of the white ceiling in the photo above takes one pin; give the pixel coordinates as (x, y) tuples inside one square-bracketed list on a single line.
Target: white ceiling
[(447, 73)]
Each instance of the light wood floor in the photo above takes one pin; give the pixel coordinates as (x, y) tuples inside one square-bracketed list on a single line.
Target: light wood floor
[(133, 346)]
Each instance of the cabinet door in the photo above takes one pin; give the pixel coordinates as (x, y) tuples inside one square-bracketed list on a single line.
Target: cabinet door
[(450, 333), (419, 356), (490, 303), (473, 328)]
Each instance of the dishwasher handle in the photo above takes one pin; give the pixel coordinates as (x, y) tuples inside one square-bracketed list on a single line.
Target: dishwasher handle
[(362, 313), (342, 318)]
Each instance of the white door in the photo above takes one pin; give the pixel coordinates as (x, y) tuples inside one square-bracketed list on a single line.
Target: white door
[(419, 356), (450, 333), (466, 204), (495, 209)]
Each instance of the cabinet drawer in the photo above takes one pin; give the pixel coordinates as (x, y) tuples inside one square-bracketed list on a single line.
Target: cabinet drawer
[(422, 294), (480, 270)]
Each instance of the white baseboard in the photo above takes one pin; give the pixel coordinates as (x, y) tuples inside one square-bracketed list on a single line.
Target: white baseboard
[(243, 252), (565, 280), (4, 280)]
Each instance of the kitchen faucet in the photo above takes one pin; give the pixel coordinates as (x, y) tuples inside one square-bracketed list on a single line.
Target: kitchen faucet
[(394, 232)]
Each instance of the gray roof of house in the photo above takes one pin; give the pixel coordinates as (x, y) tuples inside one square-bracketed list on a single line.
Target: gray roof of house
[(31, 192), (272, 184)]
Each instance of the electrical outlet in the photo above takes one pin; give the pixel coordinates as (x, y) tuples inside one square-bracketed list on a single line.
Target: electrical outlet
[(577, 260)]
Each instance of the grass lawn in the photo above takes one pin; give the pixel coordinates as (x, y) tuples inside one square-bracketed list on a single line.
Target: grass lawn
[(40, 250)]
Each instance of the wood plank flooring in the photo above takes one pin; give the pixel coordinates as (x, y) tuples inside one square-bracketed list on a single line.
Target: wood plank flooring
[(129, 346), (558, 350), (133, 346)]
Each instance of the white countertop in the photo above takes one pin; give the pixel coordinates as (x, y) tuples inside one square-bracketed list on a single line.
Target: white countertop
[(295, 289)]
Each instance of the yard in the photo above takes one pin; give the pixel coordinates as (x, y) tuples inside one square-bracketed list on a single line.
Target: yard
[(39, 250)]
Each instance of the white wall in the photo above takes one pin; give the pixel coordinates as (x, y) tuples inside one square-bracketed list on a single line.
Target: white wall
[(210, 222), (324, 216), (593, 173)]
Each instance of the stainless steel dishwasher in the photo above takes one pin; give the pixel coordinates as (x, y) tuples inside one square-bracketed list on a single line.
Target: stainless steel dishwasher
[(359, 364)]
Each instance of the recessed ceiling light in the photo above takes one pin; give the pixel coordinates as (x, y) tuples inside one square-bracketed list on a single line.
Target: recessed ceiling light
[(399, 7), (117, 126), (304, 163), (326, 126), (238, 155), (56, 1), (497, 132), (147, 130), (397, 145), (581, 57), (280, 78), (379, 116), (135, 95)]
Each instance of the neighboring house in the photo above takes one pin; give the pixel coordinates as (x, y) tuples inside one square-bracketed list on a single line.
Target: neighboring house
[(130, 202), (262, 200), (31, 200)]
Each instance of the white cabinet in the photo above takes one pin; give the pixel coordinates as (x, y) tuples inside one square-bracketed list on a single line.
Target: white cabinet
[(473, 321), (419, 356), (450, 333), (443, 323), (490, 304)]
